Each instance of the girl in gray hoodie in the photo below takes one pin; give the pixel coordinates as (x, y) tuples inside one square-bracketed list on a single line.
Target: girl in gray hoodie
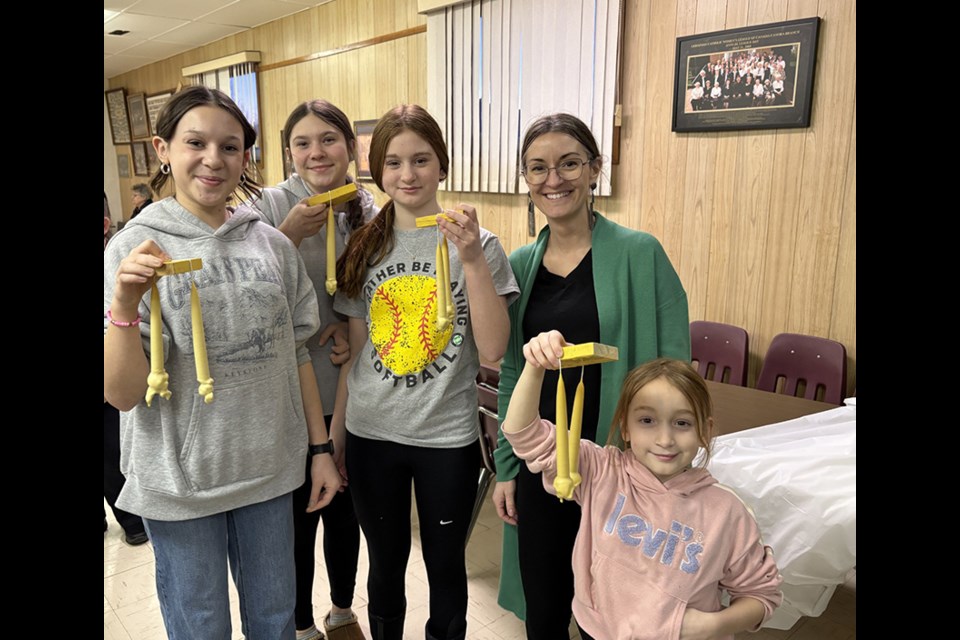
[(212, 476)]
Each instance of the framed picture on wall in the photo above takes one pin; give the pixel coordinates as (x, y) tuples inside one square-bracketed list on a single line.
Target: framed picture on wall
[(758, 77), (123, 163), (364, 130), (155, 102), (137, 112), (141, 163), (153, 162), (117, 111)]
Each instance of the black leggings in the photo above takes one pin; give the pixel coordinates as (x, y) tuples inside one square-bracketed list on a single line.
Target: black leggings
[(445, 485), (341, 549), (546, 531), (113, 480)]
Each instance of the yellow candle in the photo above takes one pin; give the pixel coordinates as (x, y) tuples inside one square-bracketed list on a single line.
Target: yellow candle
[(562, 484), (158, 381), (575, 423), (200, 346), (445, 262), (331, 284), (443, 289)]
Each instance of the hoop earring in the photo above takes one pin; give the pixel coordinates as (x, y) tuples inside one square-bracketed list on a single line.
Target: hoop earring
[(165, 168)]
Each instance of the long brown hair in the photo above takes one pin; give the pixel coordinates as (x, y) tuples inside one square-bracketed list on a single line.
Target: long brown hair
[(199, 96), (375, 240), (681, 376), (329, 112)]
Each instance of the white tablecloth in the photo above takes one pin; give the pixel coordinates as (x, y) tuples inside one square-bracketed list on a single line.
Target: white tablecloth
[(800, 479)]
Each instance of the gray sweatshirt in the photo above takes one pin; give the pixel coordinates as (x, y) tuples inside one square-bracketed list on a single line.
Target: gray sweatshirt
[(274, 206), (186, 459)]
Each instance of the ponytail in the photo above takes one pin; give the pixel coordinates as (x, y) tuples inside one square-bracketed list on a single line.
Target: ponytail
[(368, 246)]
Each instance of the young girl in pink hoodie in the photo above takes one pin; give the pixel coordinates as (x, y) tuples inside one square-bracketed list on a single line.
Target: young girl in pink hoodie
[(659, 540)]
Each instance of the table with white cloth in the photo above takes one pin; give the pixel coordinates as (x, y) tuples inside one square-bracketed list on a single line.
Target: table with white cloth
[(800, 479)]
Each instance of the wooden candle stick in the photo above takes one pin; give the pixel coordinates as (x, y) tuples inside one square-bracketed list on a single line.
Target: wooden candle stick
[(333, 198)]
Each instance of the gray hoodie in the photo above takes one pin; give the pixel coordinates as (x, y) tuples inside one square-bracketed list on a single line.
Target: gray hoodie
[(274, 206), (185, 459)]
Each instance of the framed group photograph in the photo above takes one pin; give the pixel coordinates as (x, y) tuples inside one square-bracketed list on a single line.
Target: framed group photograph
[(141, 162), (758, 77), (364, 130), (117, 111), (155, 102), (137, 112)]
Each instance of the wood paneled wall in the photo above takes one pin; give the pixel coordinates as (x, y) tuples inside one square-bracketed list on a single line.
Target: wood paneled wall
[(761, 225)]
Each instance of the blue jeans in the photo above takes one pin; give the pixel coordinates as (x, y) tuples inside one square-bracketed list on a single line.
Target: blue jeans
[(191, 567)]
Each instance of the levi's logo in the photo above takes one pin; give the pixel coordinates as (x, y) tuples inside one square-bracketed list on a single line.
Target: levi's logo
[(634, 531)]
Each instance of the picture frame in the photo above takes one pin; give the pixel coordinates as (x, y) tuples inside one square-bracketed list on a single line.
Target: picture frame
[(141, 162), (758, 77), (155, 102), (364, 131), (123, 164), (137, 113), (117, 112), (284, 161), (153, 162)]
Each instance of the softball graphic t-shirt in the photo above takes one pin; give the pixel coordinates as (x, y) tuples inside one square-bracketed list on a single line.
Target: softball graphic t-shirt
[(413, 383)]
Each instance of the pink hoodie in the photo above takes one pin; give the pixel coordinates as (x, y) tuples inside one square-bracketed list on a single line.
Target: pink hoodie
[(646, 550)]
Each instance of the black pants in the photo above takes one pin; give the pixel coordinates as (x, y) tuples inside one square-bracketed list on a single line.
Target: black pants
[(546, 531), (445, 485), (341, 549), (112, 478)]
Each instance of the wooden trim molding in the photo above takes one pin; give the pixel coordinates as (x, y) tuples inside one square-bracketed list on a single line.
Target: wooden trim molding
[(220, 63), (387, 37)]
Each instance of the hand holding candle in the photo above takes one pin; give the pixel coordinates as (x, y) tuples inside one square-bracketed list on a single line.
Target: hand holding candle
[(333, 198)]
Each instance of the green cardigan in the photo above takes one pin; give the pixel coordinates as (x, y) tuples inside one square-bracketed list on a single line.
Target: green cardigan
[(643, 312)]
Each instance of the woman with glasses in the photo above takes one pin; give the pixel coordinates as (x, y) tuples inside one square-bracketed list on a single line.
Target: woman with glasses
[(585, 279)]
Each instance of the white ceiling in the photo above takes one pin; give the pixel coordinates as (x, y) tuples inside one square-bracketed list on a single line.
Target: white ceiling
[(163, 28)]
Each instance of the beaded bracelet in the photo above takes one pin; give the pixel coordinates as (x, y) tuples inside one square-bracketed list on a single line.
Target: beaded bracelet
[(120, 323)]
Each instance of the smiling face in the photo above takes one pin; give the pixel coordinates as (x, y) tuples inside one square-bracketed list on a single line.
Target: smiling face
[(558, 198), (321, 154), (660, 429), (206, 158), (411, 174)]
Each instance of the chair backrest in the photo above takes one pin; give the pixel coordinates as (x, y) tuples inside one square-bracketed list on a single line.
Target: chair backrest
[(489, 421), (720, 351), (490, 376), (817, 362)]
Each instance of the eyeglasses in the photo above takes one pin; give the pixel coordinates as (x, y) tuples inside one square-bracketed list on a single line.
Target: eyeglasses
[(567, 170)]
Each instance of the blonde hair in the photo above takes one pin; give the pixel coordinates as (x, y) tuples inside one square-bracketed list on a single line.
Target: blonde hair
[(682, 377)]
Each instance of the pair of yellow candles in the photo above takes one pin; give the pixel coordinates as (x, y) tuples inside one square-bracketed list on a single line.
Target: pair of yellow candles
[(444, 300), (158, 382), (332, 198), (568, 443)]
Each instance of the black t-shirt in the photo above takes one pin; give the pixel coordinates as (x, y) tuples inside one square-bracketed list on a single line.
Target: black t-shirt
[(568, 305)]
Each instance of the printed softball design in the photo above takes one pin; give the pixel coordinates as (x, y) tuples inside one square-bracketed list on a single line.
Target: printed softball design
[(403, 324)]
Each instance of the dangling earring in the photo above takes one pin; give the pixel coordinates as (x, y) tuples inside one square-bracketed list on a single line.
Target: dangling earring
[(165, 168), (529, 204), (591, 217), (243, 179)]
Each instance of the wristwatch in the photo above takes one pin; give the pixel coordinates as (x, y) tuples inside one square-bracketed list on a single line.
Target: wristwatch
[(326, 447)]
